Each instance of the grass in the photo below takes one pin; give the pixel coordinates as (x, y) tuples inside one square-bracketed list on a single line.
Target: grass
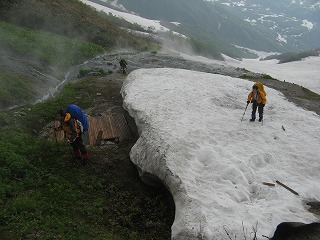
[(46, 50), (44, 194), (46, 47), (309, 94), (247, 76), (266, 76), (72, 19), (14, 89), (263, 76)]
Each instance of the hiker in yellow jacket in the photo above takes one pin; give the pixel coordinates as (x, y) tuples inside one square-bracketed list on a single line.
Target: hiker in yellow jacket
[(72, 130), (258, 99)]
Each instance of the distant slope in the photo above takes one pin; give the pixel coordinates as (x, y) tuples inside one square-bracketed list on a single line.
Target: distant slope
[(207, 21), (41, 40), (294, 23), (292, 56), (68, 18)]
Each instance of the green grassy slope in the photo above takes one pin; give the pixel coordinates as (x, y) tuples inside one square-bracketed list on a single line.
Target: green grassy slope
[(49, 48), (69, 18), (44, 194), (53, 34)]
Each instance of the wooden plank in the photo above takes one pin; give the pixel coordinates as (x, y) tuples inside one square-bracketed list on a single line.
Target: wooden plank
[(113, 127), (99, 138)]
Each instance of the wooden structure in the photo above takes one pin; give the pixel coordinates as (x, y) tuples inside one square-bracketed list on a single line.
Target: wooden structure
[(108, 127)]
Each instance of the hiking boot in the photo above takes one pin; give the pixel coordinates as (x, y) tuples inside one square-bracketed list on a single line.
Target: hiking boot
[(260, 119), (85, 158), (76, 155), (252, 120)]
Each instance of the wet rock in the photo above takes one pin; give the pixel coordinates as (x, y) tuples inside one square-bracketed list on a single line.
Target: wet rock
[(297, 231)]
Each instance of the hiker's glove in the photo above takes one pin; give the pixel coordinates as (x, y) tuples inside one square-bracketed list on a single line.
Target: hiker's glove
[(248, 102), (262, 104)]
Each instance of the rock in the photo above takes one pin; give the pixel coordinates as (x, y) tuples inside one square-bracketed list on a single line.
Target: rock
[(297, 231)]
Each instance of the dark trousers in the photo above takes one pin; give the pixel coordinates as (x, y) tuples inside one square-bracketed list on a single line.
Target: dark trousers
[(255, 105), (78, 145)]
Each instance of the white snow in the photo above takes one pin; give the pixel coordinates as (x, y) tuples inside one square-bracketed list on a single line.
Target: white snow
[(305, 73), (253, 21), (147, 23), (281, 38), (193, 139), (307, 24)]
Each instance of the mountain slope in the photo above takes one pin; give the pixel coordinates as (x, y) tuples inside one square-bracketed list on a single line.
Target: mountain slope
[(68, 18), (262, 25), (41, 40), (212, 21), (295, 23)]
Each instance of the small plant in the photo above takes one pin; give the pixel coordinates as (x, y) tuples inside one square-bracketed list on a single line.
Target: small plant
[(253, 234), (246, 76), (242, 69), (266, 76), (92, 72), (310, 94)]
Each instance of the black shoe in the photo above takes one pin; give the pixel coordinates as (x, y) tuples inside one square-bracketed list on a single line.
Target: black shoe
[(252, 120), (260, 119)]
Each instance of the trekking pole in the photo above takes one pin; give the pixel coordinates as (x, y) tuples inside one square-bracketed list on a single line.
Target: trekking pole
[(244, 112), (53, 127), (55, 136)]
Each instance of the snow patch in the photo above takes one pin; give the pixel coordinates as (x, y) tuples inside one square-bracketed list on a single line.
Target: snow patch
[(307, 24), (281, 38), (146, 23), (191, 137)]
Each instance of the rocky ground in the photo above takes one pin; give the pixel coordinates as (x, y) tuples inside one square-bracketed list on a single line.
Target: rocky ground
[(109, 62)]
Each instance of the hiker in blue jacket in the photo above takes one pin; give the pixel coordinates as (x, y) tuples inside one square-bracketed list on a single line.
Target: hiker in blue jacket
[(74, 123), (73, 135)]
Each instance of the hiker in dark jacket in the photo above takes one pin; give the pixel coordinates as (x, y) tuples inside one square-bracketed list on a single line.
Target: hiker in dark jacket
[(72, 131), (123, 65)]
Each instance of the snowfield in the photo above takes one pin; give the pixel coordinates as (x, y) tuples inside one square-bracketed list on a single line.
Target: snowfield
[(193, 139), (146, 23), (305, 73)]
